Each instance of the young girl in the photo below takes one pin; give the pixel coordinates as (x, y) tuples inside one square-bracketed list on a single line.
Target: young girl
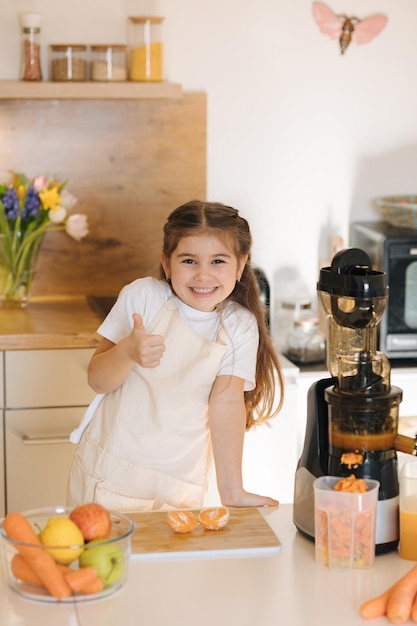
[(184, 367)]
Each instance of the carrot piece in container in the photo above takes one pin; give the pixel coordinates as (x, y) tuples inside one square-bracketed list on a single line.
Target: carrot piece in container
[(18, 528), (83, 580)]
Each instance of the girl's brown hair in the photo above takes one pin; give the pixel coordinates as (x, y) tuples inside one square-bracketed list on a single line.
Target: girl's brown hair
[(198, 217)]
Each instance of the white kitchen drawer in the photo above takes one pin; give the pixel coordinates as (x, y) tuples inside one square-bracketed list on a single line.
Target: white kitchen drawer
[(38, 378), (2, 484), (38, 456)]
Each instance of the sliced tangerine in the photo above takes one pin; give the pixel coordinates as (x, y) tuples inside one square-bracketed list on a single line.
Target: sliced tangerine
[(182, 521), (214, 518)]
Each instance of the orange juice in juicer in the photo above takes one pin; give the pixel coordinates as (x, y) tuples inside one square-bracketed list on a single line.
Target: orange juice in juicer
[(352, 417)]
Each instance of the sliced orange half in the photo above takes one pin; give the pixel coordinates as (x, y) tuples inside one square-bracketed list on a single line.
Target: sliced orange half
[(182, 521), (214, 518)]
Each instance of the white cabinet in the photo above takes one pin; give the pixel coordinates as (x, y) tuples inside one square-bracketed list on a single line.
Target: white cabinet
[(38, 378), (45, 395), (38, 455)]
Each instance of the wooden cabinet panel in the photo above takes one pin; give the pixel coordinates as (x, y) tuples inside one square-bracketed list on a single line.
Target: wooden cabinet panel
[(45, 378), (38, 456), (129, 163)]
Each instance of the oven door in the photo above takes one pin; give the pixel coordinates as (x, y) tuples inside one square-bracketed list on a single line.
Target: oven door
[(398, 331)]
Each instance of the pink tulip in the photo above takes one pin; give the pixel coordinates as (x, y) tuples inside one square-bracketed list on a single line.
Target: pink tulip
[(77, 226), (40, 183)]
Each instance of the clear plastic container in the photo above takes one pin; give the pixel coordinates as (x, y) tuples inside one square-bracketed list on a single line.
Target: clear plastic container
[(145, 49), (344, 524), (31, 50), (68, 62), (108, 62)]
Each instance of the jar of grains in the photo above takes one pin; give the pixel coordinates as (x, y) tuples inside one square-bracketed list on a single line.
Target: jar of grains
[(145, 48), (30, 55), (108, 62), (68, 62)]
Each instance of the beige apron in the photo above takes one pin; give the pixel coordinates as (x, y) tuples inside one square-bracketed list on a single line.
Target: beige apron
[(148, 446)]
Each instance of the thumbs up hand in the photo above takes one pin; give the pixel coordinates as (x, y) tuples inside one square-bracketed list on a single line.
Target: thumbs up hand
[(146, 350)]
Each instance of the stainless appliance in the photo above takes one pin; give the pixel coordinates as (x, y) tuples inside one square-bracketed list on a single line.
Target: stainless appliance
[(352, 416), (393, 251)]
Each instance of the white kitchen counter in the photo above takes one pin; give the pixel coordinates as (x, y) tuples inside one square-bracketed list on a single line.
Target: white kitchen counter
[(285, 588)]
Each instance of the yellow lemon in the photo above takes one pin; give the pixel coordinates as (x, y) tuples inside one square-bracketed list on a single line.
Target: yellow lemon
[(61, 531)]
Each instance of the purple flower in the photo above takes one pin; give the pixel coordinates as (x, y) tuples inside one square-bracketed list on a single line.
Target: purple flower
[(11, 204), (32, 203)]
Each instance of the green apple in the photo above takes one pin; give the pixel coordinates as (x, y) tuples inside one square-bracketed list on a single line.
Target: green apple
[(107, 559)]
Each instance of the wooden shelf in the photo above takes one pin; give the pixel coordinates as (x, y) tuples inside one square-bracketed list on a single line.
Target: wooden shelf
[(43, 90)]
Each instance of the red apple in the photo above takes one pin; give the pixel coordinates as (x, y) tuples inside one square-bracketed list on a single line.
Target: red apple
[(93, 520)]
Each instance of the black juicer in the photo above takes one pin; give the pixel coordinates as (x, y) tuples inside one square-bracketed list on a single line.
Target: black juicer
[(352, 417)]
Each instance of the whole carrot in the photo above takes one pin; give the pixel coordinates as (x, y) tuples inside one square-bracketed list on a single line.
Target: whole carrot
[(23, 571), (398, 603), (18, 528), (376, 607), (83, 580), (414, 610), (401, 598)]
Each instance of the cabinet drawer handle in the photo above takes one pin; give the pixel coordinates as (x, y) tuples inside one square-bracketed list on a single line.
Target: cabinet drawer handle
[(36, 441)]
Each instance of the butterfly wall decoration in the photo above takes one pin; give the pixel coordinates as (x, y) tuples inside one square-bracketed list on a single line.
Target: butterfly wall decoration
[(345, 28)]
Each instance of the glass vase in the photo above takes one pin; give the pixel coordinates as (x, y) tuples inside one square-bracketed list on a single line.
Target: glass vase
[(15, 283)]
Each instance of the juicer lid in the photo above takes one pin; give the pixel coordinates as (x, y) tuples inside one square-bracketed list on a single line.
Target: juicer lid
[(351, 275)]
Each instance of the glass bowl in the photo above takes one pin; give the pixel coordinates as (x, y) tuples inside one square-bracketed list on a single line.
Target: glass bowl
[(110, 557)]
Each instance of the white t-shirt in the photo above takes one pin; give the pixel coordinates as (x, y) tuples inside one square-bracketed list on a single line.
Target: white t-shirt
[(147, 296)]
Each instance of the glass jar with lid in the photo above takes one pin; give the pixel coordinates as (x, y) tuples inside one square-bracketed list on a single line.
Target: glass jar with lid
[(286, 313), (108, 62), (306, 343), (145, 48), (30, 56), (68, 62)]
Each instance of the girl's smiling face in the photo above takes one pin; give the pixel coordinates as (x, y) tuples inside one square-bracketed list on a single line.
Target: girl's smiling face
[(203, 270)]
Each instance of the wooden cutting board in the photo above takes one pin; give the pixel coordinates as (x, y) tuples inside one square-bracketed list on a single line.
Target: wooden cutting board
[(246, 532)]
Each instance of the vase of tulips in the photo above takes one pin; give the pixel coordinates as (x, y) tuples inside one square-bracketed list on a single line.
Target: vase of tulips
[(29, 208)]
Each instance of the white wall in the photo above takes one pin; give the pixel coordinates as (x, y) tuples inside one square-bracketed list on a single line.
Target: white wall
[(300, 138)]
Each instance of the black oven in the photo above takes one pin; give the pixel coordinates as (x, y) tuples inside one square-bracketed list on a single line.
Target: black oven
[(393, 251)]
